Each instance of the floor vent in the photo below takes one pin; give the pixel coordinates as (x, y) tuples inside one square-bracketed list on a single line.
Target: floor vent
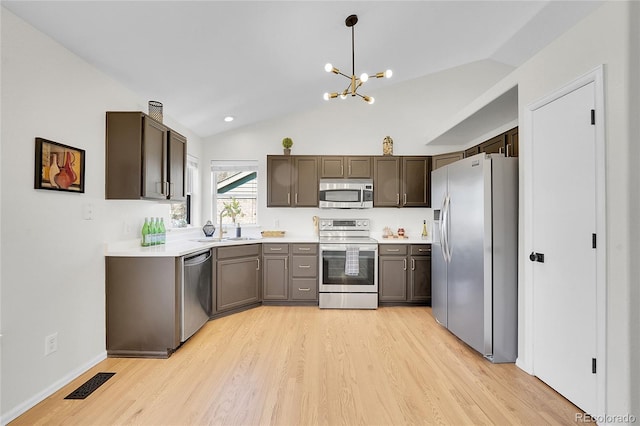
[(89, 386)]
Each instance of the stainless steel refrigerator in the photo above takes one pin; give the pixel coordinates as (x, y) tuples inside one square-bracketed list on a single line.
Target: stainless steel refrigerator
[(475, 245)]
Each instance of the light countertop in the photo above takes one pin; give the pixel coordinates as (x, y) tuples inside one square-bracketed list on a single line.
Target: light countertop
[(187, 246)]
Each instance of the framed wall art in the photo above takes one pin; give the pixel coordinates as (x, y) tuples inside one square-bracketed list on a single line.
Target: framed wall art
[(58, 167)]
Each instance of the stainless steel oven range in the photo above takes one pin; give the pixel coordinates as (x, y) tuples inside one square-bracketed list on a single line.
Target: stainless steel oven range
[(348, 264)]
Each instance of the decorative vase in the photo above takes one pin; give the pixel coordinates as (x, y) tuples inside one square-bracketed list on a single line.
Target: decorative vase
[(63, 179), (53, 170), (287, 151), (208, 229), (68, 166), (387, 146)]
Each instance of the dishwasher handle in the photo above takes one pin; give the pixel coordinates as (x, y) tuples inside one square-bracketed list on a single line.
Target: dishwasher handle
[(197, 259)]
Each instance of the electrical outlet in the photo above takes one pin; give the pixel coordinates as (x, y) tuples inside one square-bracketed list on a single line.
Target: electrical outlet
[(51, 344)]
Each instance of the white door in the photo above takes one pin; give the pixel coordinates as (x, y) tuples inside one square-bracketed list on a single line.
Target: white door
[(564, 222)]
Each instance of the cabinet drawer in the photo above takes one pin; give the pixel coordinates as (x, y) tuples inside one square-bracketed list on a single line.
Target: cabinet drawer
[(238, 251), (310, 248), (392, 249), (304, 289), (421, 249), (304, 266), (271, 248)]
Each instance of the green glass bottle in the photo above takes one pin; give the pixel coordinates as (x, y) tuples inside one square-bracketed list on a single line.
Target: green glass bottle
[(145, 233), (163, 232), (153, 240)]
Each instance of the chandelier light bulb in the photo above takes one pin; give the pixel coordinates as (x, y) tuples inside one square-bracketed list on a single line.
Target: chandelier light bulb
[(370, 100), (343, 96), (328, 67), (326, 96), (364, 77), (388, 73)]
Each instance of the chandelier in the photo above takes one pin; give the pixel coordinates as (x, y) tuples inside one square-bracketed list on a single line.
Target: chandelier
[(354, 82)]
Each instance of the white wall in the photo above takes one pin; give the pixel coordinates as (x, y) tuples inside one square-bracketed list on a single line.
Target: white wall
[(342, 127), (52, 264), (601, 38)]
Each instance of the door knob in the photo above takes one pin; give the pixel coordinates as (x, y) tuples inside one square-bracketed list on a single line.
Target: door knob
[(536, 257)]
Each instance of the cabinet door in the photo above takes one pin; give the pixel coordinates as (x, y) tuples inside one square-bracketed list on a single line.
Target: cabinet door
[(392, 278), (237, 282), (442, 160), (275, 278), (386, 181), (305, 182), (470, 152), (331, 167), (358, 167), (416, 172), (420, 279), (177, 166), (154, 159), (512, 142), (279, 176), (494, 145)]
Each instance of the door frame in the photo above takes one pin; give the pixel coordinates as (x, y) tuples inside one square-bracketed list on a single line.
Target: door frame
[(526, 316)]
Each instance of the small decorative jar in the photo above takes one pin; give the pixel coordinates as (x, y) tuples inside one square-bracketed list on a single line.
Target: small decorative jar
[(208, 229), (387, 146)]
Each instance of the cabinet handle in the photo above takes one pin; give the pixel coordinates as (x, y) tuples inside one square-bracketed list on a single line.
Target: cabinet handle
[(398, 198), (404, 201), (500, 150), (304, 248), (275, 249), (304, 289), (405, 264), (286, 263), (342, 170), (288, 198), (393, 250), (258, 268), (423, 249), (413, 264), (508, 149), (296, 198), (349, 169), (304, 266)]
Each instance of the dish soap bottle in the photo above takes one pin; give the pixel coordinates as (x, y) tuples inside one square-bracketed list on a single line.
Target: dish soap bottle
[(424, 230)]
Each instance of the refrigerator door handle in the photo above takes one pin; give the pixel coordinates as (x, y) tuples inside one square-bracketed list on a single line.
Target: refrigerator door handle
[(446, 228), (441, 225)]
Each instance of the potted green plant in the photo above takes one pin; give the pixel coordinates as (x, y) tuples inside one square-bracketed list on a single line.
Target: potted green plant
[(287, 143), (233, 209)]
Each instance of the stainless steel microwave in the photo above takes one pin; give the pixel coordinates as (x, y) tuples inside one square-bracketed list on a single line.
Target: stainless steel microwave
[(346, 193)]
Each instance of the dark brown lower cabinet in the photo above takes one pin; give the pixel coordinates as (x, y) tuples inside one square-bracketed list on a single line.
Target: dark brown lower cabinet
[(290, 274), (238, 277), (404, 274), (142, 306)]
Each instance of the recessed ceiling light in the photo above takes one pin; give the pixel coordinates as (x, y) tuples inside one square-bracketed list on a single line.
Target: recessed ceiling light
[(228, 118)]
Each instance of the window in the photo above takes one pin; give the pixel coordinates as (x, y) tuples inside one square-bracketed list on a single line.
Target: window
[(182, 213), (235, 181)]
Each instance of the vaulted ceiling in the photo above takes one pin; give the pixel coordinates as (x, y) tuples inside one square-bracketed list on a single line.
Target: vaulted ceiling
[(257, 60)]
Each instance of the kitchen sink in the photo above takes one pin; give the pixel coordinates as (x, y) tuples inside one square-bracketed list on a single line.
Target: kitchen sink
[(241, 238)]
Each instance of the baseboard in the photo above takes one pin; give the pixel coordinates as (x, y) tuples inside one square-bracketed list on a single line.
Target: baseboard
[(50, 390), (524, 366)]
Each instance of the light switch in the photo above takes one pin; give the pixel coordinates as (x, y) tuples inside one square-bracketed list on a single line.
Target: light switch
[(87, 211)]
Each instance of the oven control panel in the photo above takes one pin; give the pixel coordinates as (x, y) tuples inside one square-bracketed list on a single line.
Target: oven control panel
[(344, 224)]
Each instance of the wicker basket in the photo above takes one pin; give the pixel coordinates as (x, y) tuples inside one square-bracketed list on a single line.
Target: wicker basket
[(272, 234)]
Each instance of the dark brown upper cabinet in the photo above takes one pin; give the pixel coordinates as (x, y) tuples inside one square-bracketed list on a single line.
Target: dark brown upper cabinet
[(355, 167), (512, 143), (144, 158), (292, 181), (442, 160), (401, 181)]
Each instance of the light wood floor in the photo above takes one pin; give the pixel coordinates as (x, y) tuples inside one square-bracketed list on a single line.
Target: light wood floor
[(306, 366)]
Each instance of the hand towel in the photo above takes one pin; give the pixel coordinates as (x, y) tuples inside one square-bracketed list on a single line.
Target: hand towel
[(351, 264)]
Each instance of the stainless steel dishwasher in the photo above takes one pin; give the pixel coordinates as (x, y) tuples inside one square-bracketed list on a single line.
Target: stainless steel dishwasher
[(195, 293)]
